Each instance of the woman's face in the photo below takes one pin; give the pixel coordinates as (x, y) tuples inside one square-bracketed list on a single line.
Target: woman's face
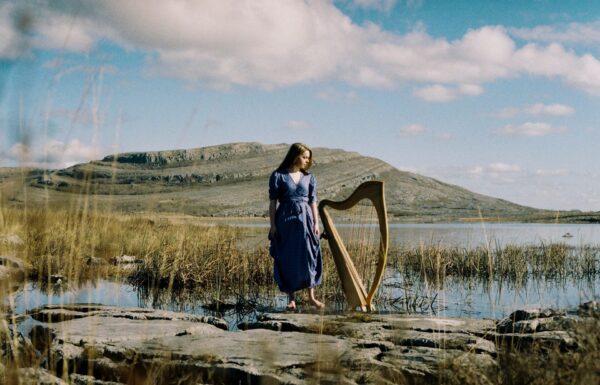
[(303, 159)]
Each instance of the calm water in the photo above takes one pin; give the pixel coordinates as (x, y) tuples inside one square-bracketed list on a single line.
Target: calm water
[(473, 234), (456, 299), (480, 234), (473, 299)]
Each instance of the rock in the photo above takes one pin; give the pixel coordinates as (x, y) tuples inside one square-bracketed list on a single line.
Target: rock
[(522, 315), (530, 321), (546, 328), (203, 352), (16, 349), (12, 271), (38, 376), (556, 323), (95, 261), (590, 309), (125, 345), (57, 279), (80, 379), (126, 259), (12, 262), (12, 240), (551, 340), (60, 313), (523, 326)]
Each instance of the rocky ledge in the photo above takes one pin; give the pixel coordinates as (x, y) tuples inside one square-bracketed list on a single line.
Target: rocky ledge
[(95, 344)]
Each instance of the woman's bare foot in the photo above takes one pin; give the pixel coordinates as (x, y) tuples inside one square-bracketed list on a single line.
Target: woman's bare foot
[(316, 304), (291, 305)]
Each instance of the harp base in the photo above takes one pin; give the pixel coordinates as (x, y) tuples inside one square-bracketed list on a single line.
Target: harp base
[(363, 308)]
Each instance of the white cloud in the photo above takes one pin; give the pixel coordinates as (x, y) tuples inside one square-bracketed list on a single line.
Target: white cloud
[(413, 130), (298, 124), (436, 93), (550, 109), (20, 152), (572, 33), (74, 151), (53, 154), (530, 129), (499, 172), (475, 170), (440, 93), (542, 188), (504, 167), (272, 43), (537, 109), (65, 33), (582, 72), (470, 89)]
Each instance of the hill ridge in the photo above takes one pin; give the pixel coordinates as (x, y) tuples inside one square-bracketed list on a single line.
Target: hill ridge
[(231, 180)]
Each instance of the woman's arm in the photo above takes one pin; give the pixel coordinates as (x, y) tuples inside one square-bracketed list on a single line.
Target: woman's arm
[(315, 213), (272, 209)]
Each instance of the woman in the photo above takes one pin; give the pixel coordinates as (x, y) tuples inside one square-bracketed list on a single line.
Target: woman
[(294, 232)]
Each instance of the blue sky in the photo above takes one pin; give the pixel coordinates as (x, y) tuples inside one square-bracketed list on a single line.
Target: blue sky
[(501, 98)]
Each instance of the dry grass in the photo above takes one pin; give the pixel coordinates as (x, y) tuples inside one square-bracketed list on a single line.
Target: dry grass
[(511, 263), (217, 259)]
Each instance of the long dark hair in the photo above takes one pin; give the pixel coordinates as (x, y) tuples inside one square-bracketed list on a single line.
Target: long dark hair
[(295, 151)]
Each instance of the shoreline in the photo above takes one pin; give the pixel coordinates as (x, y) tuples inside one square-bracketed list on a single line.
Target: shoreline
[(226, 219)]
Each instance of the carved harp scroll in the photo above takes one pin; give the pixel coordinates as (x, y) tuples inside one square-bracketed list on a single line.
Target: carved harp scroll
[(352, 282)]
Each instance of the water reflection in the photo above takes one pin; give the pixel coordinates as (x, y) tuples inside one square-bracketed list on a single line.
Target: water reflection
[(120, 293), (485, 299), (452, 298)]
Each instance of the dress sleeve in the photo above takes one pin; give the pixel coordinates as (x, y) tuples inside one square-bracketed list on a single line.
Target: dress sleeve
[(274, 186), (312, 189)]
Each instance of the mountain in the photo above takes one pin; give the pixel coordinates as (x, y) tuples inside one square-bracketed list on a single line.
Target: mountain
[(232, 179)]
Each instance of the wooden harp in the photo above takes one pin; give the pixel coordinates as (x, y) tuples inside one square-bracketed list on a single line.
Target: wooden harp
[(357, 295)]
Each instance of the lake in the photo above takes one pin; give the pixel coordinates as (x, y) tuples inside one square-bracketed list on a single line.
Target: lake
[(470, 235), (480, 234)]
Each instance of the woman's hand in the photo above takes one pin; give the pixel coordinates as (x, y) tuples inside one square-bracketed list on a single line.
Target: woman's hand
[(272, 232), (316, 230)]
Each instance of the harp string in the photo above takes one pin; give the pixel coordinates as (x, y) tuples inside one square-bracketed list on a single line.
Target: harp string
[(359, 231)]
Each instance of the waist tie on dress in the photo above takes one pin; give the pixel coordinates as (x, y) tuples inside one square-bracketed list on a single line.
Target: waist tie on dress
[(298, 209), (296, 204)]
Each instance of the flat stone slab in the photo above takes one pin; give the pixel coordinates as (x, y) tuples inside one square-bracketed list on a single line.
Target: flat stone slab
[(125, 345), (60, 313)]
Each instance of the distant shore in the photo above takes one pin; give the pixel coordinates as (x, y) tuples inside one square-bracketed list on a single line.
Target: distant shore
[(567, 218)]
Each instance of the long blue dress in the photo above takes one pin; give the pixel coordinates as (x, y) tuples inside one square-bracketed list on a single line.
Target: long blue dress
[(296, 251)]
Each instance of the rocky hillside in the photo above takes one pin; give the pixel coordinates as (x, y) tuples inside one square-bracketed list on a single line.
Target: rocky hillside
[(231, 180)]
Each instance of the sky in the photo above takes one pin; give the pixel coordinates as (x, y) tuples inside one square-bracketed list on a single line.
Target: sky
[(499, 97)]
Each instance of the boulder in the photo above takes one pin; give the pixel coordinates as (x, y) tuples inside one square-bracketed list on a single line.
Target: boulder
[(12, 272)]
